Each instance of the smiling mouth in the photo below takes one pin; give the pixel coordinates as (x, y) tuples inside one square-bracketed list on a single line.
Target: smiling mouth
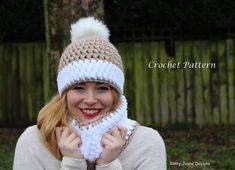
[(90, 112)]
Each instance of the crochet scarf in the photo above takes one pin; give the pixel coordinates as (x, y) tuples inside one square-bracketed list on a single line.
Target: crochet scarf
[(92, 132)]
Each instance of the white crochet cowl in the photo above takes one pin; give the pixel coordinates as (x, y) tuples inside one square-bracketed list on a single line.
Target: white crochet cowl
[(92, 132)]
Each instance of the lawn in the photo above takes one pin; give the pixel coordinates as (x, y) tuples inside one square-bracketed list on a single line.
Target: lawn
[(210, 147), (8, 138)]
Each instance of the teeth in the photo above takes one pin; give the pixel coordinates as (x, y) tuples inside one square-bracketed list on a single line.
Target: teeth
[(91, 111)]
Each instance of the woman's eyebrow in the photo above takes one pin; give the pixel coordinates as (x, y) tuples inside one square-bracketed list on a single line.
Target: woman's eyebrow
[(100, 83), (81, 84)]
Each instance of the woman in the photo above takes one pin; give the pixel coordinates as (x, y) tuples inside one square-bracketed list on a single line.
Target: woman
[(86, 126)]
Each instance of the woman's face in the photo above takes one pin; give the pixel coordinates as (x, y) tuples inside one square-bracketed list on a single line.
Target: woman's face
[(90, 99)]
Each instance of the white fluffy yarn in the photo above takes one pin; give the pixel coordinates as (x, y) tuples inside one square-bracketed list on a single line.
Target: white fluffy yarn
[(88, 27), (91, 138), (84, 71)]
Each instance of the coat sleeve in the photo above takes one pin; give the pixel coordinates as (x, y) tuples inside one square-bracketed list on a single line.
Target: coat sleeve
[(146, 150), (30, 154), (151, 153), (73, 164), (114, 165), (24, 158)]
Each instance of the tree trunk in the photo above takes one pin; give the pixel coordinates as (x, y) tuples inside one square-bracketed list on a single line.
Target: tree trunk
[(93, 8), (59, 14)]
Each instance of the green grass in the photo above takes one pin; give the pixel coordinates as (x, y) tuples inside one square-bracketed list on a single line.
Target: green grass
[(8, 139), (213, 145)]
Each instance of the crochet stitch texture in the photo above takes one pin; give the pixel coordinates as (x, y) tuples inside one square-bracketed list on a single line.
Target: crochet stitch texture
[(91, 57), (91, 134), (108, 66), (90, 48)]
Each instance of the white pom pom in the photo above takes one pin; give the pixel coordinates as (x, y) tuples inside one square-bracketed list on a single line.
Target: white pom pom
[(88, 27)]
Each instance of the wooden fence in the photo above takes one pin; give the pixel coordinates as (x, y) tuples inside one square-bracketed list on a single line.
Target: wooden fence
[(161, 90), (23, 83)]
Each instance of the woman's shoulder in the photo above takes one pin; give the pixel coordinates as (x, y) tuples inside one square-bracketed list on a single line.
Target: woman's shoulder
[(148, 136), (31, 152), (31, 134), (31, 131), (146, 146), (149, 132)]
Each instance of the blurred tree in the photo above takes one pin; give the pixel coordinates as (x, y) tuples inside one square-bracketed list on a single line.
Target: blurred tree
[(164, 19), (21, 20), (59, 14)]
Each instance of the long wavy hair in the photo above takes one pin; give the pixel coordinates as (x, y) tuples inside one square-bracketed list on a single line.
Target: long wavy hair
[(55, 114)]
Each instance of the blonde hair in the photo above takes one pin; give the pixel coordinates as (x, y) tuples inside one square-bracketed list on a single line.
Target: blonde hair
[(55, 114)]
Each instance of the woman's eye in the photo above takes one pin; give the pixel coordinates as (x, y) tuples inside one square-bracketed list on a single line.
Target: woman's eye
[(78, 88), (103, 88)]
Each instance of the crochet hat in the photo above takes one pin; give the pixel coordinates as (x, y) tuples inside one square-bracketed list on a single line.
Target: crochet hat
[(90, 57)]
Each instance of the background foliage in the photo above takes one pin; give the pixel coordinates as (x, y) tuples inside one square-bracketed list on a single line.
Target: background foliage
[(187, 19), (23, 20)]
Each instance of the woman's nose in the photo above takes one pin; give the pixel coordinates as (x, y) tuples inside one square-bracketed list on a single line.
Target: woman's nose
[(90, 98)]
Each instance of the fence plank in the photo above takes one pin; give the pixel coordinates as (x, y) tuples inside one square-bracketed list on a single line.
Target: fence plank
[(180, 81), (171, 73), (163, 85), (210, 94), (147, 96), (227, 116), (188, 83), (223, 84), (155, 82), (15, 89), (198, 85), (2, 88), (8, 79), (214, 80), (38, 62), (138, 83), (156, 96), (45, 68), (231, 79), (128, 56)]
